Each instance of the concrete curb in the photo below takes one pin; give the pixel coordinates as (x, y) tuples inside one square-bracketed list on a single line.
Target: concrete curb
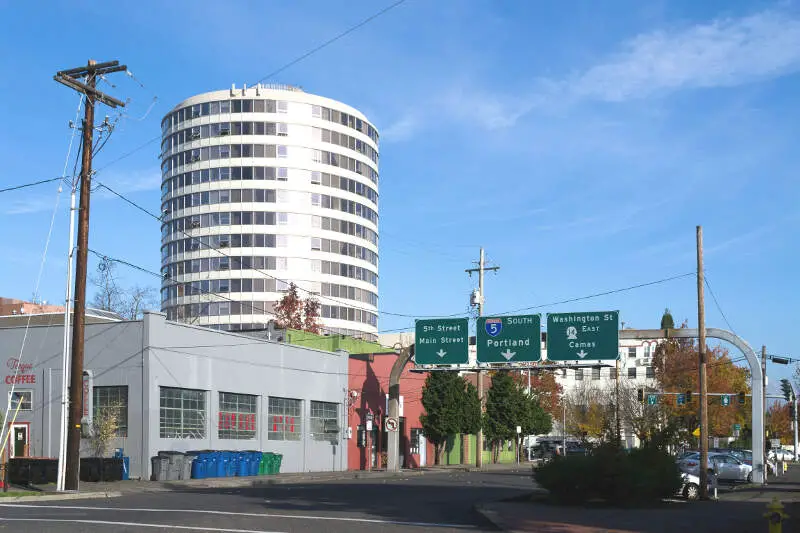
[(61, 497), (494, 518)]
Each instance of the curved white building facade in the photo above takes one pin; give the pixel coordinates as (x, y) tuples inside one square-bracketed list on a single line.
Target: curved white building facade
[(263, 186)]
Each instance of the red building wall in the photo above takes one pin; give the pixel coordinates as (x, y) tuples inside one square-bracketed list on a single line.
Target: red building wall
[(369, 378)]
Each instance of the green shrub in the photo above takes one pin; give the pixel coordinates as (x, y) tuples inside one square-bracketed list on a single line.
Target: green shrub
[(613, 475)]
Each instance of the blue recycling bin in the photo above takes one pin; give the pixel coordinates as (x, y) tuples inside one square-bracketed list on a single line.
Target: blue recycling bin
[(255, 460), (242, 465), (222, 464), (210, 464), (126, 468), (199, 467), (231, 464)]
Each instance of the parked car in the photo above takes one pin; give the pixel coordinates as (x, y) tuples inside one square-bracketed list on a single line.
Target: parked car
[(691, 486), (725, 466), (780, 454)]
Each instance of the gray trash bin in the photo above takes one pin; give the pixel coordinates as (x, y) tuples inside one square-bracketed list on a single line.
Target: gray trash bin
[(186, 473), (175, 467), (160, 466)]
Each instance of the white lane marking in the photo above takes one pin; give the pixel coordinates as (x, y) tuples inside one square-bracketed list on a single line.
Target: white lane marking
[(133, 524), (255, 515)]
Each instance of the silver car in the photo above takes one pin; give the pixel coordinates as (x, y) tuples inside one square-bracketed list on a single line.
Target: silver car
[(724, 466)]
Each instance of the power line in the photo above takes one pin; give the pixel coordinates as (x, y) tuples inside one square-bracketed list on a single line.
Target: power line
[(273, 73), (716, 303), (598, 294), (332, 40), (238, 260), (24, 185)]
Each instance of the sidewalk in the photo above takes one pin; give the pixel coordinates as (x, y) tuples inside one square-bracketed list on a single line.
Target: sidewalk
[(133, 487), (737, 511)]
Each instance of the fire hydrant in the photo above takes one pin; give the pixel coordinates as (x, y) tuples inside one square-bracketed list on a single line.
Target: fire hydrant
[(775, 516)]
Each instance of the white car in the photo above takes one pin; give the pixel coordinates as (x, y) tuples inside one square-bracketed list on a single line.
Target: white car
[(780, 455), (691, 486)]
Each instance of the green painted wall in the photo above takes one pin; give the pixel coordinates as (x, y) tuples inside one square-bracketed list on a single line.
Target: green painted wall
[(331, 343)]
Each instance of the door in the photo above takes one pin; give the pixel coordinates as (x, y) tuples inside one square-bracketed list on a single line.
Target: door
[(423, 450), (20, 448)]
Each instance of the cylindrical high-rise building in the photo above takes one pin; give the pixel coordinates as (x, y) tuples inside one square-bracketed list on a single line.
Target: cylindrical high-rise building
[(262, 186)]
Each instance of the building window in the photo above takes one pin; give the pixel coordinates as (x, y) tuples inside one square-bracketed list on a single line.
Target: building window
[(283, 174), (112, 401), (283, 218), (285, 419), (632, 351), (315, 199), (183, 413), (283, 106), (596, 373), (632, 373), (324, 421), (22, 399), (416, 433), (316, 177), (282, 151), (612, 373), (578, 374), (649, 372), (237, 416)]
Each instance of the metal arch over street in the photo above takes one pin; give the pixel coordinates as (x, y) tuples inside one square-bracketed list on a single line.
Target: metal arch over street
[(756, 385)]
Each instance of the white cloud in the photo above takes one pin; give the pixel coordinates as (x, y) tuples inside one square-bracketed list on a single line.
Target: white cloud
[(723, 53), (403, 129)]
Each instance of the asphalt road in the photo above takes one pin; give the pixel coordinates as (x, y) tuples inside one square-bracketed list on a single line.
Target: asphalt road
[(433, 502)]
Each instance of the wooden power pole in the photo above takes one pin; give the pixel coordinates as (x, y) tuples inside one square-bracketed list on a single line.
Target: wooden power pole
[(703, 399), (480, 270), (70, 78)]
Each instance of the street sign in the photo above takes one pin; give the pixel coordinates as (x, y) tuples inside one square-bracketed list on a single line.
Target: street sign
[(681, 399), (509, 339), (391, 424), (737, 427), (652, 399), (442, 341), (583, 336), (725, 400)]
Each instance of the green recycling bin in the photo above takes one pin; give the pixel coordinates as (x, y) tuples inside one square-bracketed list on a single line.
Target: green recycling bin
[(264, 465), (277, 466)]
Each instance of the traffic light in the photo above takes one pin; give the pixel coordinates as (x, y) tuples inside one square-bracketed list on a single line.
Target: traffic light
[(640, 395), (688, 396), (741, 397), (786, 387)]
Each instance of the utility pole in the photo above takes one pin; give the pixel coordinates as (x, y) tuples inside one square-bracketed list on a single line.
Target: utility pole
[(70, 78), (794, 401), (703, 400), (480, 270), (616, 404), (764, 384)]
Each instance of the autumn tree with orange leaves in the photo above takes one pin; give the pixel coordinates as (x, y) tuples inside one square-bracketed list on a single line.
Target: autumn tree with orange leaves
[(676, 363), (291, 312), (779, 422)]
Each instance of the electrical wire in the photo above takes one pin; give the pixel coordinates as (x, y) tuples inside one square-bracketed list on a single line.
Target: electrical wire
[(265, 273), (20, 358), (273, 73), (24, 185), (332, 40), (716, 302)]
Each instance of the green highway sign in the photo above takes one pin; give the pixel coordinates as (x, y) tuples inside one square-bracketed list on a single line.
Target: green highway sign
[(583, 336), (509, 339), (725, 400), (442, 342), (737, 427), (652, 399)]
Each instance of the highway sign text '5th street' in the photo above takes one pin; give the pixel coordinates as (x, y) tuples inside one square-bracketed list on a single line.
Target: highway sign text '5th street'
[(442, 341)]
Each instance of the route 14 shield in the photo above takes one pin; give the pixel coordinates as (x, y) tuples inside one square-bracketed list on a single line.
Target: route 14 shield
[(494, 326)]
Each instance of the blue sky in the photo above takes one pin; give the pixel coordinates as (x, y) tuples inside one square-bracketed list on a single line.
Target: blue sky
[(580, 146)]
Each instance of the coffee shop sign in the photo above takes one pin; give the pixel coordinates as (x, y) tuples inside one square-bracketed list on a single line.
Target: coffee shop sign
[(20, 372)]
